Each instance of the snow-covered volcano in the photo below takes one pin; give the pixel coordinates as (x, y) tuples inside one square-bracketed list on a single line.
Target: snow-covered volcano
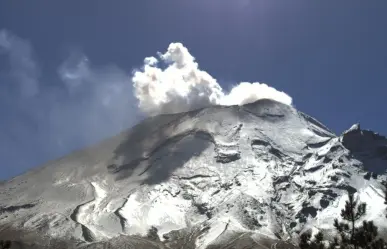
[(259, 170)]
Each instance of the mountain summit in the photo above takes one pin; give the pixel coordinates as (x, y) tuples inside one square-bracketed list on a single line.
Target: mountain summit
[(215, 176)]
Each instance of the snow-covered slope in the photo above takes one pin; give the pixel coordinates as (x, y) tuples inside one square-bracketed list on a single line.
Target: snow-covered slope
[(262, 169)]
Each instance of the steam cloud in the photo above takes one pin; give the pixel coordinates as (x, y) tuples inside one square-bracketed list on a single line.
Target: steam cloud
[(182, 86)]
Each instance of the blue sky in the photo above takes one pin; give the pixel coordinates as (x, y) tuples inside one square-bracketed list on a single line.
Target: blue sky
[(330, 57)]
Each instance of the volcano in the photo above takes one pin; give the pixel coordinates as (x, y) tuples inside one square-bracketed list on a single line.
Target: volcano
[(250, 176)]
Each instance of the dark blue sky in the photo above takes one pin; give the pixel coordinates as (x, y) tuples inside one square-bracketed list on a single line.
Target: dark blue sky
[(330, 56)]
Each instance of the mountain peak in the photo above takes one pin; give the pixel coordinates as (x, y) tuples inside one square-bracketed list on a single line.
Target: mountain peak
[(354, 129)]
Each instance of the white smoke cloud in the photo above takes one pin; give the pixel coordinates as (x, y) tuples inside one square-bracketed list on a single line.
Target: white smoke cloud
[(246, 92), (23, 69), (183, 86), (180, 87)]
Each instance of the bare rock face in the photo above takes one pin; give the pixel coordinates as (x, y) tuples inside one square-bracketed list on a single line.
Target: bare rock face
[(368, 147), (220, 177)]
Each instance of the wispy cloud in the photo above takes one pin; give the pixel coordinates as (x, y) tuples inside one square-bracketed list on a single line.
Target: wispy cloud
[(23, 70), (101, 98), (44, 117)]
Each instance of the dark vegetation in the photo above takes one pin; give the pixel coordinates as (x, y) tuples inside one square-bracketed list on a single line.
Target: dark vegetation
[(349, 236), (5, 244)]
